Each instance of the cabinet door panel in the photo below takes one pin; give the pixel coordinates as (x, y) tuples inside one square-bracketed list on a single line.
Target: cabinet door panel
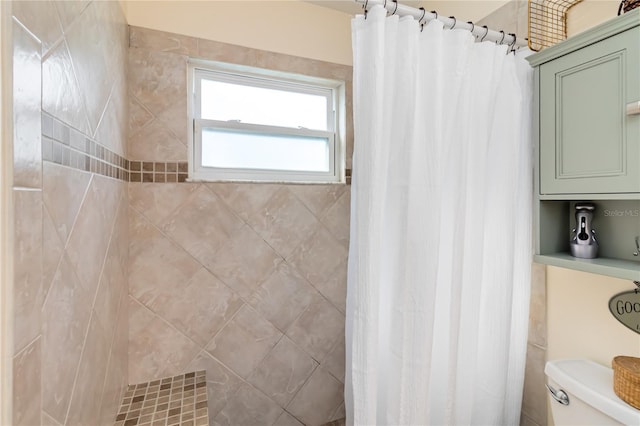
[(587, 142)]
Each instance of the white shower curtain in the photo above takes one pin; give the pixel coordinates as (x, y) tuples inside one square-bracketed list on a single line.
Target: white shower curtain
[(440, 255)]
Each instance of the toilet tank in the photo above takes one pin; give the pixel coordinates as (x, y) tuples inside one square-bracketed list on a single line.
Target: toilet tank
[(589, 387)]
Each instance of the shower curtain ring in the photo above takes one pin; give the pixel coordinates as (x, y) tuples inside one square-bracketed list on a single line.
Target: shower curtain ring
[(502, 39), (435, 13), (396, 9), (485, 33), (424, 13), (473, 26), (513, 44), (455, 21)]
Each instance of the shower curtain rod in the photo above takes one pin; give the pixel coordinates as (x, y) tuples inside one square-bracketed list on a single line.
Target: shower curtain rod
[(481, 32)]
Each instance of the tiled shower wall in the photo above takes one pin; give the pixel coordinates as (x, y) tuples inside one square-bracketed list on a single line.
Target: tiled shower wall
[(71, 248), (245, 281), (512, 17)]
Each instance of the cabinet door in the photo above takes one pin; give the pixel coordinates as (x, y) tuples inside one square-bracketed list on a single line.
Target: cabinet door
[(588, 143)]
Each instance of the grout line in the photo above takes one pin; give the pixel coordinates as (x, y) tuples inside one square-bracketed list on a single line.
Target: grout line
[(28, 31), (77, 373), (104, 110)]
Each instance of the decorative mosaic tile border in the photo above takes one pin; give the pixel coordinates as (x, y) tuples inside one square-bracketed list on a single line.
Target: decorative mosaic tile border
[(64, 145), (178, 400), (149, 171)]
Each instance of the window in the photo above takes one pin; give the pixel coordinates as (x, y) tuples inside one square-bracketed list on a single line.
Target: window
[(257, 125)]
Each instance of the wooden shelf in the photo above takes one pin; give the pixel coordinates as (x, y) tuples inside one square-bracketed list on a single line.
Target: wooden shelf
[(625, 269)]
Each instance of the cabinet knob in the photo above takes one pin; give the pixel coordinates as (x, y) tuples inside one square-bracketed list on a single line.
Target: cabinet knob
[(633, 108)]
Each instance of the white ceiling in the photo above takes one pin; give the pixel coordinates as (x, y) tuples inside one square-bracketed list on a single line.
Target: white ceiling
[(467, 10)]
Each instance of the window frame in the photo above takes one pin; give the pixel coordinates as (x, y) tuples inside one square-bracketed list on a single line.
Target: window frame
[(333, 90)]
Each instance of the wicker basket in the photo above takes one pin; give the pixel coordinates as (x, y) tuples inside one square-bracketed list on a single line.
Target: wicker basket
[(626, 379)]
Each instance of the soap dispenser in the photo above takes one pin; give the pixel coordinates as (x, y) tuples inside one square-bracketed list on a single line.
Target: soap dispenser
[(583, 242)]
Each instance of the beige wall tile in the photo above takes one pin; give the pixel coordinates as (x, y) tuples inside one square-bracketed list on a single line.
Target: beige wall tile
[(244, 342), (318, 399), (244, 247), (174, 118), (157, 349), (139, 115), (47, 420), (65, 316), (112, 128), (89, 239), (334, 363), (198, 308), (113, 283), (52, 249), (337, 217), (157, 79), (318, 198), (319, 256), (26, 385), (158, 201), (41, 18), (155, 262), (201, 225), (340, 413), (87, 394), (239, 232), (318, 328), (155, 142), (27, 252), (116, 378), (87, 48), (27, 99), (115, 382), (222, 383), (244, 198), (283, 296), (63, 193), (534, 398), (72, 210), (283, 372), (335, 288), (69, 11), (283, 222), (248, 407), (163, 42), (287, 419), (61, 96)]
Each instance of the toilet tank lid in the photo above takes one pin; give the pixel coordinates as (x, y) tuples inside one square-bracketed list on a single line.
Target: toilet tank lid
[(593, 384)]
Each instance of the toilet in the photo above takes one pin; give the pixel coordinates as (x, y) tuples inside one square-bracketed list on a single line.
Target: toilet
[(581, 393)]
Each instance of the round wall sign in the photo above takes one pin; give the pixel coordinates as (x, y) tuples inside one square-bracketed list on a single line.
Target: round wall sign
[(625, 307)]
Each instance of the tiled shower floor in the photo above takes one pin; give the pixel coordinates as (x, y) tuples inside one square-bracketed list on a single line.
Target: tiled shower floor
[(179, 400)]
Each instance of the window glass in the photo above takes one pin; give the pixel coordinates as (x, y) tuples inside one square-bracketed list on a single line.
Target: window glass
[(235, 149), (258, 105)]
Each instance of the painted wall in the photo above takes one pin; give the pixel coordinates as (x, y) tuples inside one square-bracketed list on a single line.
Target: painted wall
[(70, 224), (579, 322), (590, 13), (291, 27), (246, 281)]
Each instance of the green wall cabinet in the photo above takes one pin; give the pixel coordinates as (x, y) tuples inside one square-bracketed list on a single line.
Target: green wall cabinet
[(587, 110)]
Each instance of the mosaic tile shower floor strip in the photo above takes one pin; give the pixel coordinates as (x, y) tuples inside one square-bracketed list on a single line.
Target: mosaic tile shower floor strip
[(179, 400)]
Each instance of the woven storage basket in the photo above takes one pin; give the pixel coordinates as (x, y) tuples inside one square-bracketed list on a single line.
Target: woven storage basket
[(626, 379)]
